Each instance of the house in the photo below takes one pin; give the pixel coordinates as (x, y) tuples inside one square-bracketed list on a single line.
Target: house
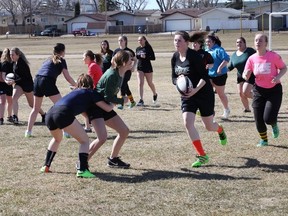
[(94, 23), (278, 21), (200, 19)]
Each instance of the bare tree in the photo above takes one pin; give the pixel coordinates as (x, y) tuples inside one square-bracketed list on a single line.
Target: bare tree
[(131, 5), (167, 4), (11, 6)]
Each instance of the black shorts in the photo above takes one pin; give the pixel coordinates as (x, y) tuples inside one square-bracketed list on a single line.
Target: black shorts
[(2, 88), (205, 104), (26, 87), (9, 90), (250, 81), (95, 112), (219, 80), (58, 117), (45, 86)]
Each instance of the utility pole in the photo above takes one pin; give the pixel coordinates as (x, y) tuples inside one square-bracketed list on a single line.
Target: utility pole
[(106, 17)]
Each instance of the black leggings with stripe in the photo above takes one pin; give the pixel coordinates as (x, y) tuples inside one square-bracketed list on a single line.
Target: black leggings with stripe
[(266, 105)]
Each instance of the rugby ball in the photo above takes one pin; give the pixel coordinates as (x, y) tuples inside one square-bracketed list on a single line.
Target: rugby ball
[(183, 83), (10, 77)]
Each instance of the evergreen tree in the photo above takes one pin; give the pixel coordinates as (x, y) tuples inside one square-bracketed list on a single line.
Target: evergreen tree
[(77, 9)]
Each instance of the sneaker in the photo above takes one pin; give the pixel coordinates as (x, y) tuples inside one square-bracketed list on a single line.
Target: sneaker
[(117, 163), (1, 121), (43, 118), (275, 131), (15, 119), (88, 130), (28, 134), (262, 143), (132, 104), (45, 169), (200, 160), (120, 107), (246, 110), (155, 98), (66, 135), (10, 119), (140, 103), (222, 137), (85, 174), (225, 114)]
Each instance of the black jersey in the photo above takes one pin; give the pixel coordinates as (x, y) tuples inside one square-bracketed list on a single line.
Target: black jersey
[(193, 67), (144, 64), (7, 67), (22, 70)]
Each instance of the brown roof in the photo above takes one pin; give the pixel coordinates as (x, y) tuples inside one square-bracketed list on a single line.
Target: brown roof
[(192, 12), (95, 16)]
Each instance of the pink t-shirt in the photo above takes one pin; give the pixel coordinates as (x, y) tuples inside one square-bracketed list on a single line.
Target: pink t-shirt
[(265, 68)]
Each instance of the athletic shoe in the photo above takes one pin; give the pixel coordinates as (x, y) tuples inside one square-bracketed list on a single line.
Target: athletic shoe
[(66, 135), (85, 174), (45, 169), (15, 119), (222, 137), (155, 98), (262, 143), (1, 121), (88, 130), (132, 104), (117, 163), (10, 119), (28, 134), (120, 107), (246, 110), (226, 114), (200, 160), (140, 103), (275, 131), (43, 118)]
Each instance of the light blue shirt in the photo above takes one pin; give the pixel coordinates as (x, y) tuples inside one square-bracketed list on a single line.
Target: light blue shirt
[(219, 55)]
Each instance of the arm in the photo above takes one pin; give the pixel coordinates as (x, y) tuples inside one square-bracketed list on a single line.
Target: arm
[(68, 77), (277, 78), (106, 107), (193, 91), (174, 75), (221, 66)]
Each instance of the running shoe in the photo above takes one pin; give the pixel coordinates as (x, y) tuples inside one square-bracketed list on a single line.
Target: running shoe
[(1, 121), (15, 120), (226, 114), (88, 130), (85, 174), (222, 137), (117, 163), (28, 134), (66, 135), (140, 103), (45, 169), (200, 160), (262, 143), (275, 131), (132, 104), (10, 119), (155, 98), (120, 107)]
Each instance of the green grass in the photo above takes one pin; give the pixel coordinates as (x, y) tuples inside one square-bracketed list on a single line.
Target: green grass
[(240, 179)]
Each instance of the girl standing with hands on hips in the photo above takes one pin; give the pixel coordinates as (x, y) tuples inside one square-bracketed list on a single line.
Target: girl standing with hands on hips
[(187, 62), (268, 68)]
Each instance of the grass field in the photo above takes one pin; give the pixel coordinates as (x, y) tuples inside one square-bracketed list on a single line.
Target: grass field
[(240, 178)]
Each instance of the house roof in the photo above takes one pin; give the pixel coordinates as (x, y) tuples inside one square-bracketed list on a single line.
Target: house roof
[(132, 13), (192, 12), (95, 16)]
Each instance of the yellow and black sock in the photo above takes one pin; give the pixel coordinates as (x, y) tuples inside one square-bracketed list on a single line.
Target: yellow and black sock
[(131, 98), (263, 136)]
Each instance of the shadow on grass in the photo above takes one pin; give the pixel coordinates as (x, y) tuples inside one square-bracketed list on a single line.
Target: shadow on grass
[(156, 175), (254, 163)]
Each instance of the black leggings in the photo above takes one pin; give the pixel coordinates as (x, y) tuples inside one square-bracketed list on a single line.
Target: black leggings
[(125, 90), (266, 105)]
